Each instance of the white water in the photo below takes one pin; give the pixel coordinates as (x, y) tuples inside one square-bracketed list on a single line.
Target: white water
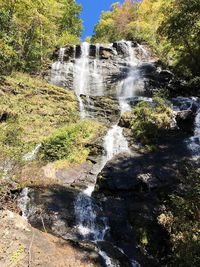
[(85, 207), (81, 76), (133, 83), (32, 154), (97, 83), (23, 202), (108, 260), (194, 141), (58, 69), (114, 143)]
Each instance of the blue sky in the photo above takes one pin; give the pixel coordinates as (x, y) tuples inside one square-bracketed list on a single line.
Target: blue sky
[(91, 13)]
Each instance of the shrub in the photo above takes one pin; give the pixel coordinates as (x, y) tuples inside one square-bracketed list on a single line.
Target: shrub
[(69, 142), (150, 119), (184, 225)]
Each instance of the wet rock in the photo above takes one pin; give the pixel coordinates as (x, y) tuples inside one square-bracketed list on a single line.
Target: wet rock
[(69, 52), (106, 53), (185, 120), (92, 52), (53, 209), (185, 110), (78, 51), (118, 175), (121, 47), (125, 120), (106, 109), (116, 256)]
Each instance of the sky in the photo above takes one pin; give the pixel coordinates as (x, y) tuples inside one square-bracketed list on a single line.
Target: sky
[(91, 12)]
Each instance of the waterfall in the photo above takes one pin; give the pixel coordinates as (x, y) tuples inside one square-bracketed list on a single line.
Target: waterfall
[(81, 76), (32, 154), (128, 87), (24, 201), (194, 141), (85, 208), (97, 74), (59, 68), (87, 79)]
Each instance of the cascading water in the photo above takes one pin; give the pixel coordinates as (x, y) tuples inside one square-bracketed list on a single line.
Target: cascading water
[(85, 206), (24, 201), (97, 75), (194, 141), (88, 80), (128, 87), (58, 69), (32, 154), (81, 76)]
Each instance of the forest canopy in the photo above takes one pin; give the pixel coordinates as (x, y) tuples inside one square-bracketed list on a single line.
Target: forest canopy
[(30, 30), (171, 27)]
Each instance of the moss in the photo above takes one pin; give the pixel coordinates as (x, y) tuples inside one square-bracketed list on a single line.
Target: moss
[(40, 107), (31, 109)]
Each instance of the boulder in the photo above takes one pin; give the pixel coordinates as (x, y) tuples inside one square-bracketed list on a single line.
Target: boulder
[(125, 120), (106, 53), (185, 120), (22, 245)]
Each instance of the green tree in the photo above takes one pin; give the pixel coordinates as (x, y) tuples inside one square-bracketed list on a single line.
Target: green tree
[(182, 28), (30, 29)]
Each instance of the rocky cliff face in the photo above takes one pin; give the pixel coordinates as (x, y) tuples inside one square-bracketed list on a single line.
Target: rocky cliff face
[(119, 218)]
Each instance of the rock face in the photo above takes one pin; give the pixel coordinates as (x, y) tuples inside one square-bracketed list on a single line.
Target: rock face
[(132, 189), (186, 111), (22, 246), (111, 64), (106, 109)]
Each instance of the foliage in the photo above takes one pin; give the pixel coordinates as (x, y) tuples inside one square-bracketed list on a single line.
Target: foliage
[(183, 223), (68, 142), (34, 109), (171, 27), (30, 29), (150, 119)]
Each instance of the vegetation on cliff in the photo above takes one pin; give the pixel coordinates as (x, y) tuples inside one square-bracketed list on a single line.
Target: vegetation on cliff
[(69, 142), (32, 112), (181, 219), (148, 120), (172, 28)]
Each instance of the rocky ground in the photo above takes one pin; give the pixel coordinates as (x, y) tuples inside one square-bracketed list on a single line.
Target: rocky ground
[(22, 246)]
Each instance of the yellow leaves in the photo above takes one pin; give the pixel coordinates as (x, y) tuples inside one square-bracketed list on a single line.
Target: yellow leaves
[(166, 220)]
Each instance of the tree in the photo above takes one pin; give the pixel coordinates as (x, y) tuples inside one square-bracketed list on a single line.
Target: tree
[(182, 28), (30, 29)]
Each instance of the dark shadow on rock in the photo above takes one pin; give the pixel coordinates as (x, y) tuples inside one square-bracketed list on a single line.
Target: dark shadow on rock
[(133, 188)]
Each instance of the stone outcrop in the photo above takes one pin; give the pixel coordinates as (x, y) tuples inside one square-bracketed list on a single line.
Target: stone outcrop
[(22, 246), (132, 188)]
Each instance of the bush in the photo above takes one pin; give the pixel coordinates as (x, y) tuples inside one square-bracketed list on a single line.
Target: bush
[(69, 142), (184, 225), (150, 119)]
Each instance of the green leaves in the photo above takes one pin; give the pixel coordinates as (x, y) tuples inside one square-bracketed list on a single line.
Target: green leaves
[(30, 29), (150, 119)]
